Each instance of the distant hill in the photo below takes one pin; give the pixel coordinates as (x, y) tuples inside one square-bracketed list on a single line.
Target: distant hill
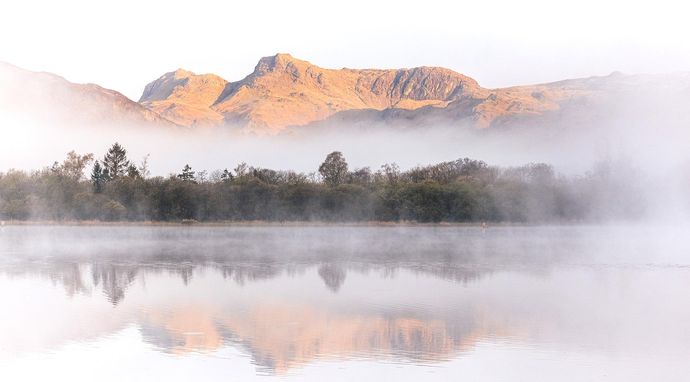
[(51, 98)]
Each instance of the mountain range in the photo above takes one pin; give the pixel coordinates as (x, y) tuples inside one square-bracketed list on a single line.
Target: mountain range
[(283, 93)]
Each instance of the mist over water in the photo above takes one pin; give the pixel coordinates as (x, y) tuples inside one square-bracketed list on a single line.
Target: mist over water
[(304, 302)]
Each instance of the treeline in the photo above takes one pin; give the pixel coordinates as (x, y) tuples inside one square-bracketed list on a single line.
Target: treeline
[(465, 190)]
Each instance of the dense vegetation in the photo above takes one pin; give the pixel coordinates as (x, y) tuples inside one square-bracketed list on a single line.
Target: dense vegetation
[(458, 191)]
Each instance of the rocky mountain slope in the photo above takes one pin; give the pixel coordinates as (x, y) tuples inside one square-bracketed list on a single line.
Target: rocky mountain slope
[(283, 91), (185, 97)]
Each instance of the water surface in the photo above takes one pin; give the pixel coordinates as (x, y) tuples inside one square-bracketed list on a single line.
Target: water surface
[(337, 303)]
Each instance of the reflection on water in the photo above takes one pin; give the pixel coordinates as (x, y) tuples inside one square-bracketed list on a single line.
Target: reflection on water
[(315, 302)]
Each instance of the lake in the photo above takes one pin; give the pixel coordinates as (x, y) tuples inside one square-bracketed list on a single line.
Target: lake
[(328, 303)]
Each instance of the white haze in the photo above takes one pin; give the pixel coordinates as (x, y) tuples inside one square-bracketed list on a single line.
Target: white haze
[(31, 146), (655, 143), (658, 160)]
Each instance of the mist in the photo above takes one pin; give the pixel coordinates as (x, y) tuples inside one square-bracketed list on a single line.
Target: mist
[(649, 144), (424, 297), (640, 141)]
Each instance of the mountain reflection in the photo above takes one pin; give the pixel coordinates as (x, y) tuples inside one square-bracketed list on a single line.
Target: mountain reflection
[(278, 335), (283, 336), (285, 297)]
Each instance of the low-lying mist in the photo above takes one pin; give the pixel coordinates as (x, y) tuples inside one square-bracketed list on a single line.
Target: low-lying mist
[(637, 150)]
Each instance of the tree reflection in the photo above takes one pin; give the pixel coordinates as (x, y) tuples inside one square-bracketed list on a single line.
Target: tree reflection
[(114, 279), (333, 276)]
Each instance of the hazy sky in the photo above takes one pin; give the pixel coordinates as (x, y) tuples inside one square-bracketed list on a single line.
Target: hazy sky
[(125, 44)]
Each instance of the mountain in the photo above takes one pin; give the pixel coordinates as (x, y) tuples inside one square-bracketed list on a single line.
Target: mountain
[(185, 97), (642, 101), (51, 98), (283, 91)]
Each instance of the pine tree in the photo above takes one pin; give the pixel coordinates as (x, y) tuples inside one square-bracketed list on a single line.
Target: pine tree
[(187, 174), (226, 176), (115, 162), (97, 177), (133, 172)]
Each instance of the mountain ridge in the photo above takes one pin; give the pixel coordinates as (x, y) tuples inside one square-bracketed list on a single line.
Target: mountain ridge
[(283, 92)]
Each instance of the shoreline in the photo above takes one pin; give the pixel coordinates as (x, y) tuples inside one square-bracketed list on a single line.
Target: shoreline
[(260, 223)]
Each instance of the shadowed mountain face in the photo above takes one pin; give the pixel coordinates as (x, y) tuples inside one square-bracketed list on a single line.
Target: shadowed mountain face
[(51, 98)]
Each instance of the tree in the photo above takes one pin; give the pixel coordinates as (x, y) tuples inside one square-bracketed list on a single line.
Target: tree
[(133, 172), (361, 176), (116, 162), (226, 176), (202, 176), (75, 164), (390, 172), (241, 170), (144, 170), (98, 178), (334, 169), (187, 174)]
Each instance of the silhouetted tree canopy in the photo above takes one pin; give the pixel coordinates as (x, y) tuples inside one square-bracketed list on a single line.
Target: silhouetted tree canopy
[(456, 191), (187, 174), (334, 169)]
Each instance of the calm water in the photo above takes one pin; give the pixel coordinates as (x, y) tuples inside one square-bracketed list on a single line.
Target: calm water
[(339, 303)]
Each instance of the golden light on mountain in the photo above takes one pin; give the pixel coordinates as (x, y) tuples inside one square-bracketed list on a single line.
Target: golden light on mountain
[(284, 92)]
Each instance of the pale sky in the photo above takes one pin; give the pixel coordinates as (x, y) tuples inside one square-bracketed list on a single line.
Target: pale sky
[(125, 44)]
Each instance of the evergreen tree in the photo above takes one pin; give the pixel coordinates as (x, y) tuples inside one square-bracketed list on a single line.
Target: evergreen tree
[(187, 174), (98, 178), (116, 162), (226, 176), (133, 172)]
